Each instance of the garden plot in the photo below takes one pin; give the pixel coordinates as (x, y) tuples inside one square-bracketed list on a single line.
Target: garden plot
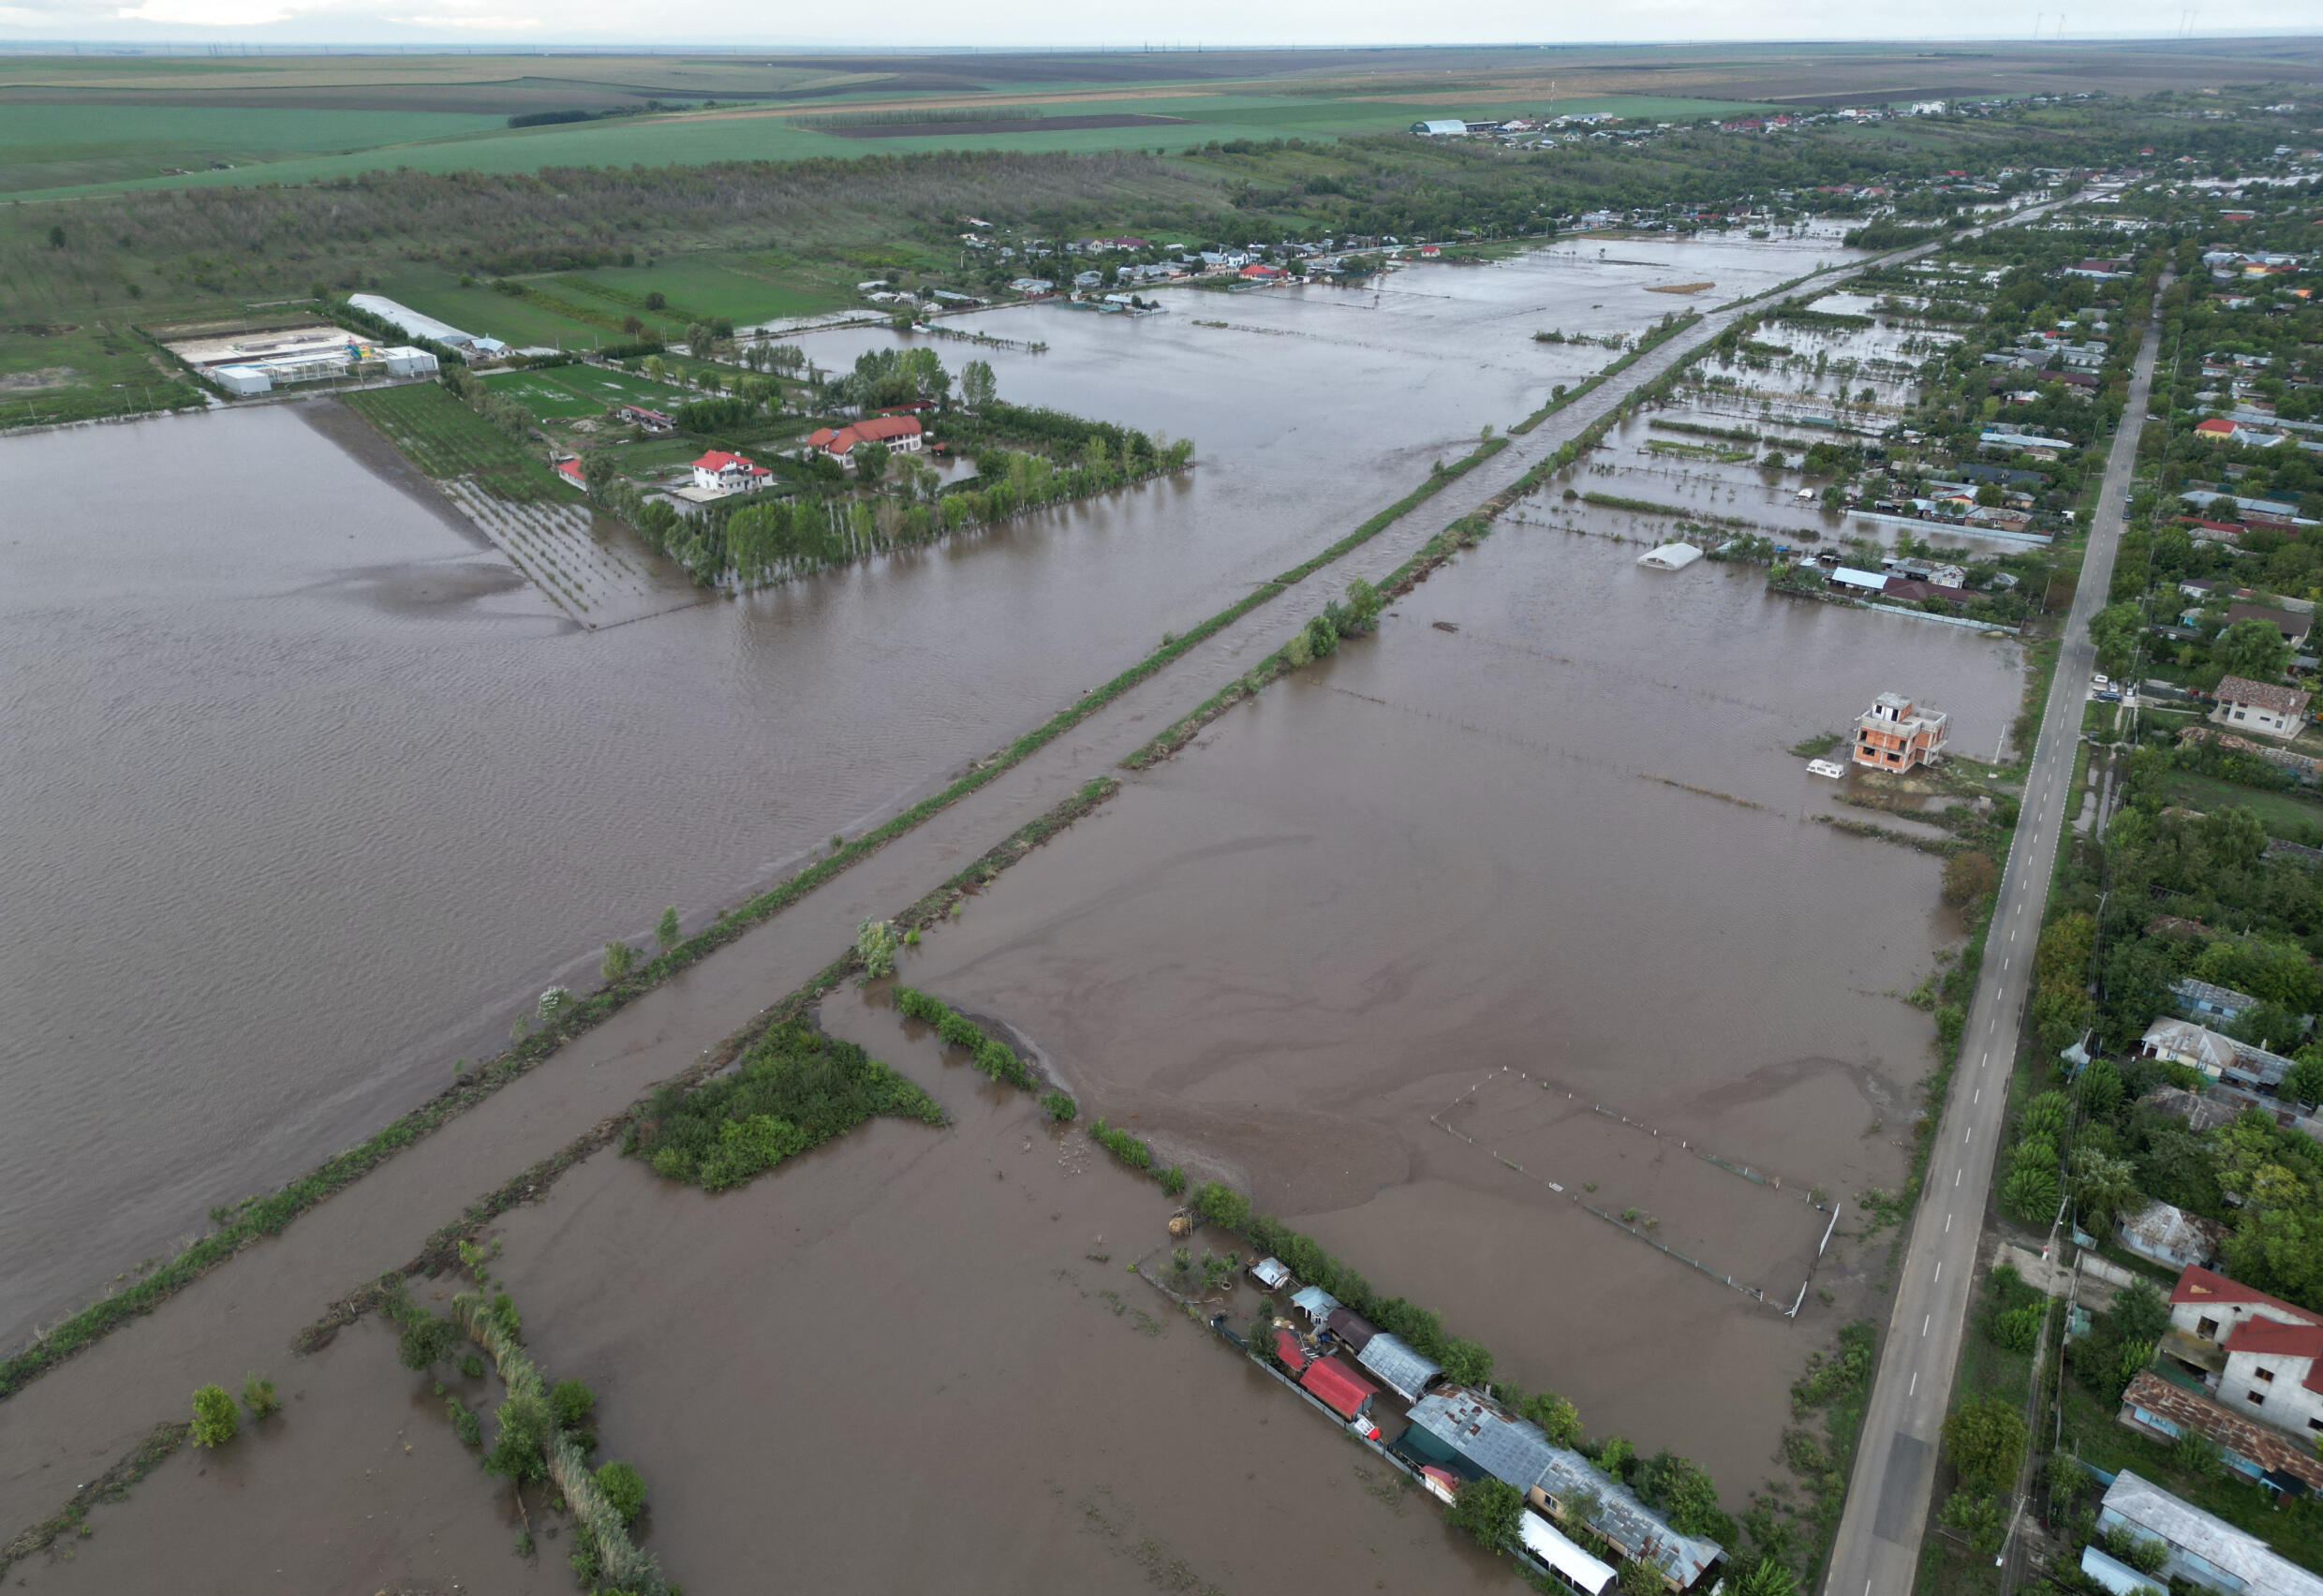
[(1748, 1228), (596, 577)]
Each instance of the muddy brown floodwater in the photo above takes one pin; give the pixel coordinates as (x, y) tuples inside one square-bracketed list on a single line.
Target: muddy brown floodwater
[(1542, 829), (310, 795), (916, 1360)]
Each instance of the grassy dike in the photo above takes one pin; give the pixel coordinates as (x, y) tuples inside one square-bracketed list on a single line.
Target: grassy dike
[(257, 1217)]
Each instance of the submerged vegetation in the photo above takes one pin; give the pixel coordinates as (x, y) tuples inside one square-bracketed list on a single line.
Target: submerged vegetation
[(796, 1088)]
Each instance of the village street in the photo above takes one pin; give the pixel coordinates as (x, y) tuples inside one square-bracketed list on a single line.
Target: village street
[(1877, 1548)]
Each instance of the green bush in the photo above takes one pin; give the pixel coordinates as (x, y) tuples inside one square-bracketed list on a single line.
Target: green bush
[(465, 1425), (2019, 1330), (1172, 1181), (796, 1088), (1060, 1107), (258, 1395), (520, 1446), (426, 1340), (215, 1417), (1488, 1509), (1122, 1145), (624, 1489), (572, 1402)]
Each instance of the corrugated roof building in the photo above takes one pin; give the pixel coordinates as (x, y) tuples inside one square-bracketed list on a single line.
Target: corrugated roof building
[(1567, 1483), (2203, 1549), (1398, 1363)]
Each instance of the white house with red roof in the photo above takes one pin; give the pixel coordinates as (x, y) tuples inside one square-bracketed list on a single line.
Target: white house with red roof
[(903, 433), (2257, 1354), (570, 470), (721, 472)]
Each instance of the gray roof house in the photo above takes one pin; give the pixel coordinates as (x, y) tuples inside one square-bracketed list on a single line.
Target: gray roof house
[(1565, 1483), (1315, 1301), (2203, 1549), (2204, 1000), (2170, 1235)]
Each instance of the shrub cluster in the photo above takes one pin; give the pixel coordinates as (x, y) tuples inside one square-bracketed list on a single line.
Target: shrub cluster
[(991, 1056), (795, 1088)]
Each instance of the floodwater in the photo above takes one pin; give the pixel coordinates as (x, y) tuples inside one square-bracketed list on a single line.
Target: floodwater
[(916, 1360), (1541, 837), (311, 793)]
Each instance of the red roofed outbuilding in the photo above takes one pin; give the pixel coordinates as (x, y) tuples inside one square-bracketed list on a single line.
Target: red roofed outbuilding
[(1337, 1388)]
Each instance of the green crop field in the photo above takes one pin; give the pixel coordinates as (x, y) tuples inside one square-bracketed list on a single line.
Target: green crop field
[(758, 135), (743, 288), (57, 146), (566, 392), (445, 439)]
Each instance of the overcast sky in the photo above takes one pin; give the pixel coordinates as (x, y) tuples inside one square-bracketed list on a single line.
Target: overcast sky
[(1023, 22)]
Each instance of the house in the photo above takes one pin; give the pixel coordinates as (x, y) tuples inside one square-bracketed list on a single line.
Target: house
[(1485, 1438), (2207, 1308), (2210, 1001), (2171, 1236), (901, 432), (2261, 707), (2271, 1375), (1315, 1303), (1032, 288), (570, 470), (2200, 1113), (2294, 628), (2220, 1058), (1259, 273), (2204, 1549), (720, 472), (2164, 1410), (1895, 735), (1910, 590)]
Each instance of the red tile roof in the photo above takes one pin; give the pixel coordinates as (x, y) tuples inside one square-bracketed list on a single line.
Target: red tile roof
[(2275, 700), (871, 429), (719, 460), (2269, 1338), (2200, 1285), (2218, 426), (1342, 1390)]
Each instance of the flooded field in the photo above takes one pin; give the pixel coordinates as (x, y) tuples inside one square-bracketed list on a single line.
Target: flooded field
[(916, 1359), (1546, 822), (358, 1485), (314, 792)]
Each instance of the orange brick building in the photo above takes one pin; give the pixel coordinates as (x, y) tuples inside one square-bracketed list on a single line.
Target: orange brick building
[(1895, 735)]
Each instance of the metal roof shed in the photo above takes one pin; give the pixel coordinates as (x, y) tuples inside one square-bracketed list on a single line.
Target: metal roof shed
[(1337, 1388), (1317, 1302), (2116, 1575), (1271, 1274), (1581, 1571), (1394, 1360), (1351, 1327)]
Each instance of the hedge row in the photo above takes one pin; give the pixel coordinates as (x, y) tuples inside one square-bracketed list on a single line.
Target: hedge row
[(991, 1056)]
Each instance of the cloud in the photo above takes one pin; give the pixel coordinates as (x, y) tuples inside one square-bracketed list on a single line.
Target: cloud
[(498, 23)]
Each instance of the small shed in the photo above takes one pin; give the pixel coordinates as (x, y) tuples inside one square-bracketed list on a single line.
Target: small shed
[(1858, 581), (1314, 1302), (1337, 1388), (1351, 1327), (1271, 1274), (2117, 1576), (1670, 556), (2170, 1235), (1294, 1355), (1400, 1365), (245, 380)]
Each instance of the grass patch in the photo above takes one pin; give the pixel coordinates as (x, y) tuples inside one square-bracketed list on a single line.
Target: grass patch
[(2283, 814), (57, 372)]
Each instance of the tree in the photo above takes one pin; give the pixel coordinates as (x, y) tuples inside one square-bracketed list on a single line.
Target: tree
[(1488, 1509), (1769, 1578), (1977, 1515), (1558, 1419), (2303, 1082), (1467, 1363), (2030, 1193), (215, 1417), (871, 461), (1967, 877), (666, 932), (1686, 1496), (620, 959), (2114, 630), (1639, 1578), (1363, 606), (572, 1402), (519, 1449), (1984, 1437), (624, 1489), (56, 238), (2139, 1313), (2102, 1185), (426, 1340), (2251, 648)]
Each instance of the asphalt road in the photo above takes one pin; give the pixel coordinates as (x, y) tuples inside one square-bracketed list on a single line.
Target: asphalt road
[(1877, 1549)]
